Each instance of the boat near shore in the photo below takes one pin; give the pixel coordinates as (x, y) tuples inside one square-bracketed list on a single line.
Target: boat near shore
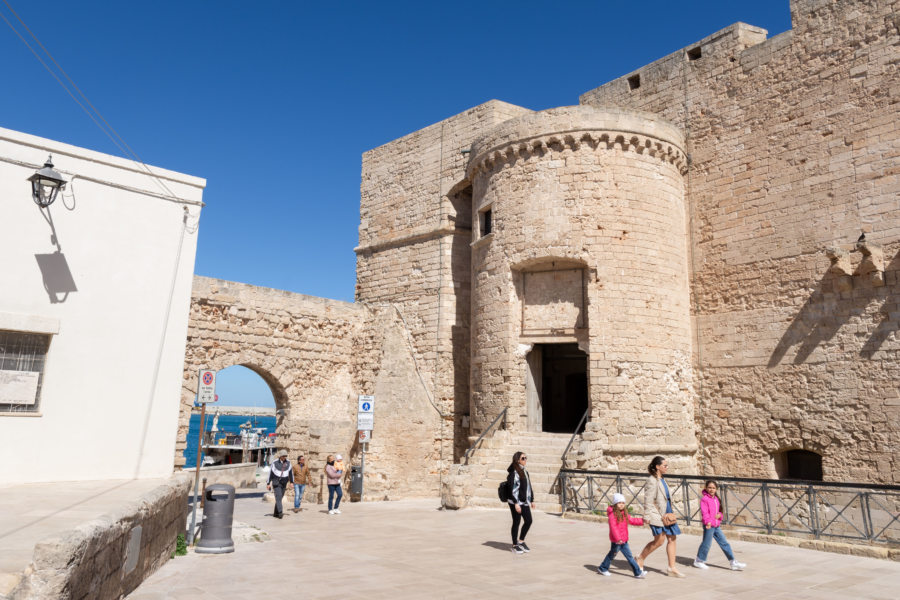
[(252, 444)]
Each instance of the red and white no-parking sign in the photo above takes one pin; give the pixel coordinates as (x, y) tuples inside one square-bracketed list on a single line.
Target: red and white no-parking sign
[(206, 390)]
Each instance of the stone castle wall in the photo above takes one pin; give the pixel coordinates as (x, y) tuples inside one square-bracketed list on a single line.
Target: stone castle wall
[(317, 356), (793, 144), (598, 194), (415, 233), (691, 226)]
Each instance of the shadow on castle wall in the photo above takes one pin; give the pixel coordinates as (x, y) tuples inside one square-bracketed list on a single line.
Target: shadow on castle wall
[(826, 311)]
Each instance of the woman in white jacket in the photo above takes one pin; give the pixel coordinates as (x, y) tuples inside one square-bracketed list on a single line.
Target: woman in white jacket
[(658, 512), (521, 501)]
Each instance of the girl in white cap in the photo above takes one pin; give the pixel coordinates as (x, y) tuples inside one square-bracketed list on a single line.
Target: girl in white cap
[(618, 536)]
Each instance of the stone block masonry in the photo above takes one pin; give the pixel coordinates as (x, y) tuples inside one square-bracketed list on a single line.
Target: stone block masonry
[(317, 356), (108, 558), (794, 145), (676, 256)]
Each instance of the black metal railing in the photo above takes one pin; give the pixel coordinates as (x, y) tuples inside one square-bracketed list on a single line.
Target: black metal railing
[(815, 509), (497, 419), (572, 439)]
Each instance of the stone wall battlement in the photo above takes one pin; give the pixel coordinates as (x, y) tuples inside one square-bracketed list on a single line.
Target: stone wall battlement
[(569, 127)]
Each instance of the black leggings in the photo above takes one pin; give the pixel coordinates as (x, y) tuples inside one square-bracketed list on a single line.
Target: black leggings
[(525, 517)]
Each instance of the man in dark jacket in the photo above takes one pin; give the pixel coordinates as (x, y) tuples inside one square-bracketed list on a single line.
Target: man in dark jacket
[(280, 476)]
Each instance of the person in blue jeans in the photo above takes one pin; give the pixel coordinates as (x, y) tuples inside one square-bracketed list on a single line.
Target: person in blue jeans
[(619, 519), (711, 512), (333, 479), (301, 477)]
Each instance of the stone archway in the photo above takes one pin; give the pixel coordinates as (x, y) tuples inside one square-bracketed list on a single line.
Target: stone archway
[(316, 356)]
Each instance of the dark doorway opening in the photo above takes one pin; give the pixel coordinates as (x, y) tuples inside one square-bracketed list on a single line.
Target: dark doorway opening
[(799, 464), (564, 389)]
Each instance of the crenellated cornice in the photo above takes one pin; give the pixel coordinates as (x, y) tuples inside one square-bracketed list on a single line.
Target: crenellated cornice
[(568, 128)]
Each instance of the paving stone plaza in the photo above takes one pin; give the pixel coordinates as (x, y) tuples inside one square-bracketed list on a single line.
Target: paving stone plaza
[(411, 549)]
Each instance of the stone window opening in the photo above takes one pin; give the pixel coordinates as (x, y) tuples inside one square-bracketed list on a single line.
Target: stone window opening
[(22, 358), (634, 82), (485, 222), (695, 53), (799, 464)]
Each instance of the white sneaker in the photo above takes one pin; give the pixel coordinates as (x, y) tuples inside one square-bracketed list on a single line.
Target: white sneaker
[(737, 566), (604, 573), (641, 575), (331, 512), (700, 564), (337, 512)]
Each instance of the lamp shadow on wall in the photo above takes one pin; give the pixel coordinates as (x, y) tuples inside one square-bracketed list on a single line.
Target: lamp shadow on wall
[(57, 277)]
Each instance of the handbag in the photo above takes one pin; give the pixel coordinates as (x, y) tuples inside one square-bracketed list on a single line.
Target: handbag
[(669, 519)]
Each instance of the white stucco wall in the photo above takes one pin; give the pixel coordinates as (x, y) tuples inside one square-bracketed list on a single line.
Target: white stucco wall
[(105, 412)]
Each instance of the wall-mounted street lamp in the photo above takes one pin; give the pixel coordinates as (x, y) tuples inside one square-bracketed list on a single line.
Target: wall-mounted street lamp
[(45, 184)]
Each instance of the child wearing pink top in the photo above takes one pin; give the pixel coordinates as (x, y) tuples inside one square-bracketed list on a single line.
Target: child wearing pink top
[(618, 536), (711, 511)]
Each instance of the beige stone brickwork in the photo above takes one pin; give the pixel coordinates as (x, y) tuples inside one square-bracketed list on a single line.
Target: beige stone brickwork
[(691, 227), (794, 147), (600, 190), (317, 356)]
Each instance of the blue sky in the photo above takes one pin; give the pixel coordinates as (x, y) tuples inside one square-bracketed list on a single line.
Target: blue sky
[(274, 102)]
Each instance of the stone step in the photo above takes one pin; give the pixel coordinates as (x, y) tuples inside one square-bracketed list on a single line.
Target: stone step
[(536, 457)]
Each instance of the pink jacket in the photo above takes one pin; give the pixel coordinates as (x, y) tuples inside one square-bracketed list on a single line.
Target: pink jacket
[(710, 507), (618, 531)]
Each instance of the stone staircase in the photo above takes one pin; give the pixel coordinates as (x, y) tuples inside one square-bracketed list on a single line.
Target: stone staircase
[(544, 452)]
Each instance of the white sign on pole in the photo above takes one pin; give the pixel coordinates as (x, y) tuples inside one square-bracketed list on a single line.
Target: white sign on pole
[(365, 435), (365, 416), (206, 389)]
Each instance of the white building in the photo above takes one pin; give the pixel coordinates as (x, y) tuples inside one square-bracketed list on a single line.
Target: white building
[(94, 298)]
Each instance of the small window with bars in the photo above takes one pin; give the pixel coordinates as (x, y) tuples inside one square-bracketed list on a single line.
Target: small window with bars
[(22, 358)]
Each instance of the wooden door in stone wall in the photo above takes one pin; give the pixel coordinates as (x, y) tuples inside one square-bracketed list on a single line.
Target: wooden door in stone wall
[(533, 382)]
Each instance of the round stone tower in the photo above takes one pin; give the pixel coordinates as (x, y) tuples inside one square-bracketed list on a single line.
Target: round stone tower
[(580, 289)]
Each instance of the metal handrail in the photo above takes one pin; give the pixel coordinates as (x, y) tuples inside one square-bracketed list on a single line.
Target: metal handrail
[(484, 433), (817, 509), (572, 439)]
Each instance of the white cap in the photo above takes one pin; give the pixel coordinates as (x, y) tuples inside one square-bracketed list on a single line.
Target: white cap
[(618, 498), (338, 457)]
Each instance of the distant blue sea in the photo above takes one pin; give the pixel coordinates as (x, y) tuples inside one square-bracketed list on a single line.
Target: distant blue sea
[(230, 423)]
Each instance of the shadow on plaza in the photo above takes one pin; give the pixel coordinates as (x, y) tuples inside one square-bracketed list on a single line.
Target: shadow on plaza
[(498, 545)]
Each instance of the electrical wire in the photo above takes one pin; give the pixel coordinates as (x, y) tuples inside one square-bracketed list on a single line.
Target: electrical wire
[(109, 130)]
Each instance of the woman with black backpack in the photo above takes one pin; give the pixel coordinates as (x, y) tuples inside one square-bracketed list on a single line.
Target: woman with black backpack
[(521, 501)]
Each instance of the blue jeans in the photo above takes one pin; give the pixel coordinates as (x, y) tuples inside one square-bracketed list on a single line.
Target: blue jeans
[(708, 535), (334, 488), (298, 493), (626, 552)]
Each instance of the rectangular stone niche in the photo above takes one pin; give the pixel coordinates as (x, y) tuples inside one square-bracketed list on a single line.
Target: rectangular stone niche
[(554, 300)]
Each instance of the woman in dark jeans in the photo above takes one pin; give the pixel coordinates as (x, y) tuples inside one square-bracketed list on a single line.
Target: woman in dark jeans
[(521, 501), (333, 478)]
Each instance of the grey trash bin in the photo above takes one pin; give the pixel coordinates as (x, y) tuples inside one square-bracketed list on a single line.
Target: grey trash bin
[(218, 512), (356, 476)]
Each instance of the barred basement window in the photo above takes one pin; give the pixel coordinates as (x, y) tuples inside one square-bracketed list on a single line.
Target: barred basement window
[(22, 357)]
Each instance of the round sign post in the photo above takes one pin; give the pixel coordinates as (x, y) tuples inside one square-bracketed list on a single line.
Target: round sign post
[(206, 392)]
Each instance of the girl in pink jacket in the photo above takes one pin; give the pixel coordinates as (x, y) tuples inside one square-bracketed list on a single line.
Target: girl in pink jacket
[(711, 511), (618, 536)]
